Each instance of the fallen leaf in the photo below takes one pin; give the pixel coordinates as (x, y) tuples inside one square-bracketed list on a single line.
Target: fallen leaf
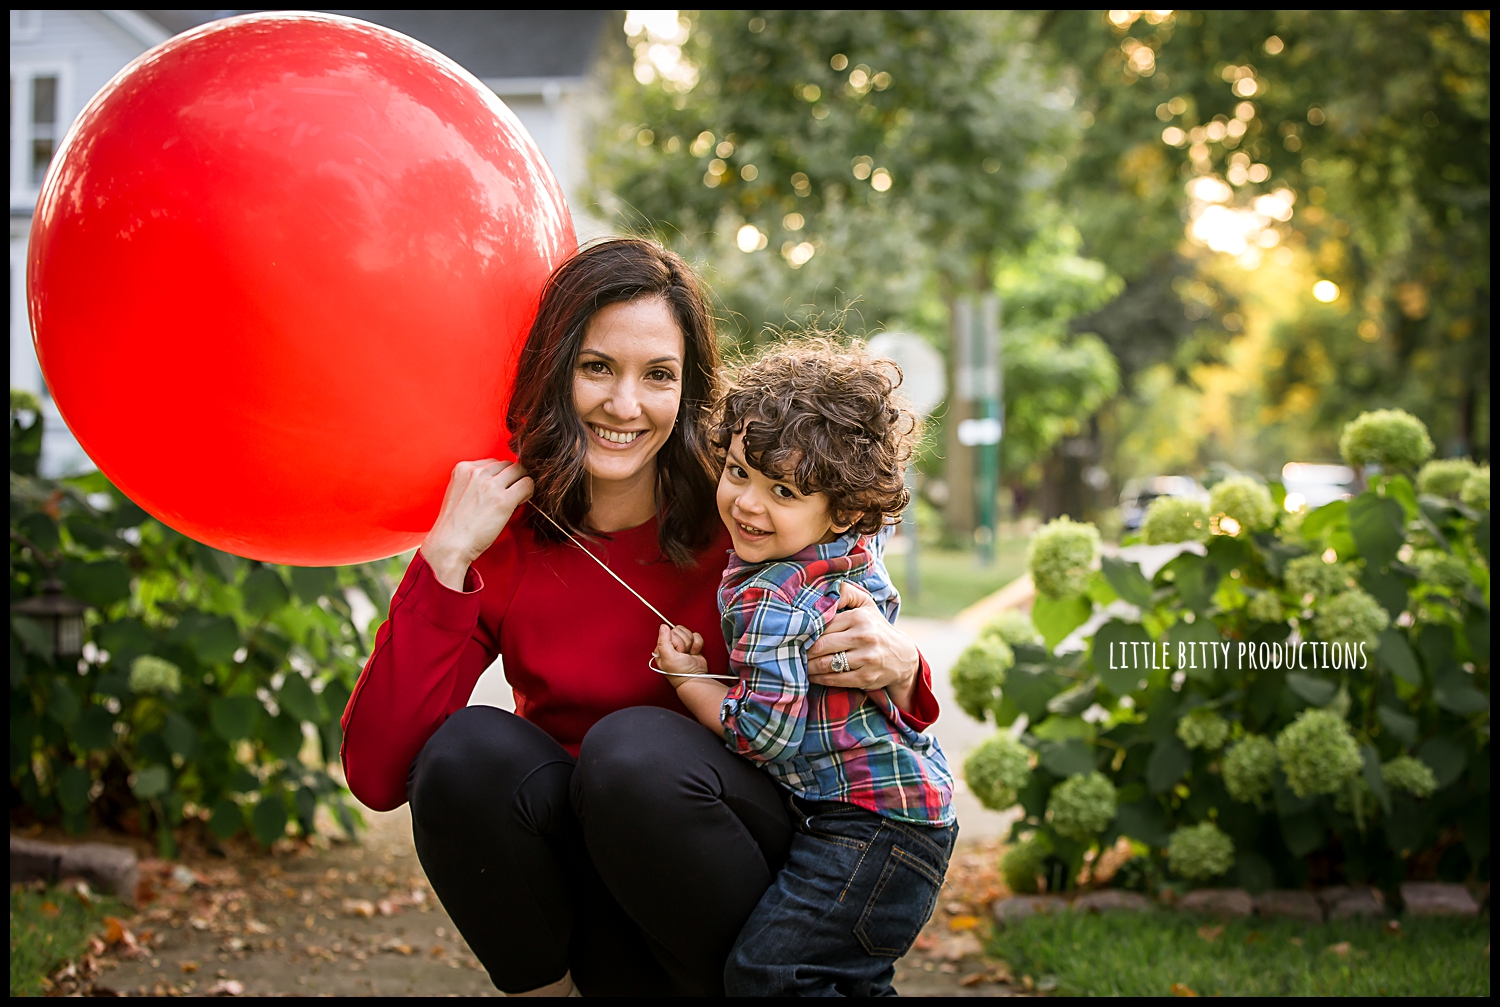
[(925, 942), (226, 988), (974, 979), (114, 931), (188, 967), (1297, 941), (1341, 949), (1028, 983), (437, 951), (964, 922), (1182, 990), (360, 907), (388, 907), (50, 910), (1212, 933), (1254, 937), (1393, 928)]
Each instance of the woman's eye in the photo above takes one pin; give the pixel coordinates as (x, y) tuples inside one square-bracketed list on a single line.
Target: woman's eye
[(595, 367), (660, 375)]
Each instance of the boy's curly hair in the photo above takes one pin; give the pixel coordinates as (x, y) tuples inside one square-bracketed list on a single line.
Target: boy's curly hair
[(828, 419)]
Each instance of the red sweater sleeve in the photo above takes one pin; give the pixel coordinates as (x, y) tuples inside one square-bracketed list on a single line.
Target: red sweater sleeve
[(924, 704), (422, 669)]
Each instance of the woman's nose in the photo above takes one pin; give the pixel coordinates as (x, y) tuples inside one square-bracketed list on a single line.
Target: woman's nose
[(624, 401)]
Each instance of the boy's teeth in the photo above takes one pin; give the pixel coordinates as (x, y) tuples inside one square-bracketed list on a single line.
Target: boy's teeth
[(616, 437)]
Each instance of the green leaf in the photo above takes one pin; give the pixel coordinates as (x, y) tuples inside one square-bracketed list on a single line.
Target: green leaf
[(1444, 757), (1400, 726), (268, 820), (63, 705), (222, 565), (33, 637), (296, 698), (94, 730), (264, 592), (1196, 579), (1395, 655), (1302, 833), (100, 584), (1055, 618), (1144, 821), (1072, 757), (125, 639), (1373, 776), (242, 781), (1477, 629), (1454, 693), (234, 717), (180, 735), (40, 529), (312, 582), (1387, 588), (1111, 655), (306, 801), (1029, 686), (1169, 762), (1399, 489), (1072, 702), (1127, 580), (335, 698), (214, 638), (1375, 522), (283, 737), (152, 781), (227, 818), (73, 789), (331, 735), (17, 662), (1201, 662), (1315, 691), (1325, 519), (1253, 872)]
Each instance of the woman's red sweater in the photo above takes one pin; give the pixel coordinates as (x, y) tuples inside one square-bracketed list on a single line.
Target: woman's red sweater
[(575, 645)]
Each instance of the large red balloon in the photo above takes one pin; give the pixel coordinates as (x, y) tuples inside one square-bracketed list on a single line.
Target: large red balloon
[(279, 276)]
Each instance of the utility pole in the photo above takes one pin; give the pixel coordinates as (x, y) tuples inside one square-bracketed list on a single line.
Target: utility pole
[(978, 353)]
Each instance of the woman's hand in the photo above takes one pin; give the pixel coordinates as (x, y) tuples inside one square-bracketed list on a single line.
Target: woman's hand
[(880, 655), (481, 497)]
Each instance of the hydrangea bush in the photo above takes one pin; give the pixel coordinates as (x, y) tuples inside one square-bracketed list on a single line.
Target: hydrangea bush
[(1292, 698), (209, 688)]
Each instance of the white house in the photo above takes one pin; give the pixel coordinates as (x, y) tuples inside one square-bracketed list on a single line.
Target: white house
[(548, 66)]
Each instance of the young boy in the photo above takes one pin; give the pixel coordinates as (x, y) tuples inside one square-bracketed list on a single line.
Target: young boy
[(815, 444)]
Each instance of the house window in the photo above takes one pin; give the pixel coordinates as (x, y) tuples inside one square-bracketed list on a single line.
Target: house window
[(43, 126), (38, 118)]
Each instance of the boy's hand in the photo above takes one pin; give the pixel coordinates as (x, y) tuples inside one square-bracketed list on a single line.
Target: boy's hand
[(679, 653)]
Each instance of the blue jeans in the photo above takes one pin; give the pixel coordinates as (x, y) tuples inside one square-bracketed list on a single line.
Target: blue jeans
[(855, 892)]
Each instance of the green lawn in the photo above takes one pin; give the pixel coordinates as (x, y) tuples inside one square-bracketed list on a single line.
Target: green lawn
[(1131, 955), (952, 581), (46, 929)]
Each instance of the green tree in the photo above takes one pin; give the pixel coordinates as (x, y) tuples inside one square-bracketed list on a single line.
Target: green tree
[(1378, 122)]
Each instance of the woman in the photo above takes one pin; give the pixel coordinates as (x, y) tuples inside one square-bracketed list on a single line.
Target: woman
[(599, 836)]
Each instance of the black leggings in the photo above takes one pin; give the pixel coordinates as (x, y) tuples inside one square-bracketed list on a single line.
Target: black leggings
[(634, 865)]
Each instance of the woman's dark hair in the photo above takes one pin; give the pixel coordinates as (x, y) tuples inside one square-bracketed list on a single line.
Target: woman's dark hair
[(546, 433)]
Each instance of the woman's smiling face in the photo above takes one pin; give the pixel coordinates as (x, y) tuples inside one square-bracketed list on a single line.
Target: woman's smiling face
[(627, 386)]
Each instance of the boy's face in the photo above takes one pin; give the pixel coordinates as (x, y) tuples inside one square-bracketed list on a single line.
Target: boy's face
[(769, 518)]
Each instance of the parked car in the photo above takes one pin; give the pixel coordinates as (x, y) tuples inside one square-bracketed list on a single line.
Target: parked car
[(1138, 494), (1313, 485)]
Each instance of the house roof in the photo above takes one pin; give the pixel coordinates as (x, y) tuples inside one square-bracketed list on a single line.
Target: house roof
[(490, 44)]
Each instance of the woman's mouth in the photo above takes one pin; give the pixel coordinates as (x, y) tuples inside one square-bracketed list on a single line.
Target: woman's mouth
[(620, 437)]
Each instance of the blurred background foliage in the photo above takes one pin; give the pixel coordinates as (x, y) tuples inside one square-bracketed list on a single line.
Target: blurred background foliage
[(1153, 194), (205, 690)]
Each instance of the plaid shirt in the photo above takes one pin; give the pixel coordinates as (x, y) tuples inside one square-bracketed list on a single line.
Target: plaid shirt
[(823, 744)]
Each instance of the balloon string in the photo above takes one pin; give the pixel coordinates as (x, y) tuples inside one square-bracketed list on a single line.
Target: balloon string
[(651, 663)]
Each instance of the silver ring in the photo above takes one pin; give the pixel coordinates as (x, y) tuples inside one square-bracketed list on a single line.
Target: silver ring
[(840, 662)]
